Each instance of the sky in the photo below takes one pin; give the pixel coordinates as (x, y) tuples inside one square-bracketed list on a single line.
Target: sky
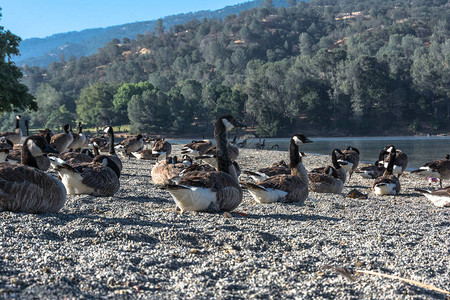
[(42, 18)]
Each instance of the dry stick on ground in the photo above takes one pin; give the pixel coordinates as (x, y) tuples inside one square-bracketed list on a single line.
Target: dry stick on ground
[(417, 283)]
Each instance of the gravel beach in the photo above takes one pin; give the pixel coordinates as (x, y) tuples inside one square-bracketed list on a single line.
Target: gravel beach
[(133, 245)]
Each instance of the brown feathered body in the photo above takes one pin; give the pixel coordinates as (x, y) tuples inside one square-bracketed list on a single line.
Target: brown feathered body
[(61, 141), (162, 147), (284, 188), (196, 147), (25, 189), (99, 178), (325, 183)]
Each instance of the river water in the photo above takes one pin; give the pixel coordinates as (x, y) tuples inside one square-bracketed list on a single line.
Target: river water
[(419, 149)]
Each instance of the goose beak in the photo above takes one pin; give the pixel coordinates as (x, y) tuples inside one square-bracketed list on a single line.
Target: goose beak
[(307, 141)]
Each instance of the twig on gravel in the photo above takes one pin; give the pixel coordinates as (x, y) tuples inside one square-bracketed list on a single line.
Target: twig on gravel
[(417, 283)]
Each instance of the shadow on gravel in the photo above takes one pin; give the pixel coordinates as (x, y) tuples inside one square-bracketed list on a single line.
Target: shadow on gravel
[(143, 199), (64, 219), (293, 217)]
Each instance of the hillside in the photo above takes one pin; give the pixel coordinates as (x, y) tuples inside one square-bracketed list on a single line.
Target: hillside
[(332, 68), (42, 51)]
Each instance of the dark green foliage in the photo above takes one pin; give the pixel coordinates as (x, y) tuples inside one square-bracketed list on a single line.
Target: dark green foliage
[(346, 67), (13, 94)]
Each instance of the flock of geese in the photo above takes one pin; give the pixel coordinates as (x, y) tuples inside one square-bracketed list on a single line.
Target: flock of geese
[(91, 166)]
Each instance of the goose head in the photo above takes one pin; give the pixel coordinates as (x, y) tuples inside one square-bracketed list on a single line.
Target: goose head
[(107, 129), (229, 122), (37, 146), (353, 149), (331, 171), (106, 161), (299, 139), (66, 128)]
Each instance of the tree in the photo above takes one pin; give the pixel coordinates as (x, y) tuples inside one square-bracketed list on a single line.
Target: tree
[(48, 100), (123, 97), (13, 94), (148, 112), (95, 105)]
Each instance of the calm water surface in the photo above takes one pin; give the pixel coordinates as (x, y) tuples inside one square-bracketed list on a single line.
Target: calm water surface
[(419, 149)]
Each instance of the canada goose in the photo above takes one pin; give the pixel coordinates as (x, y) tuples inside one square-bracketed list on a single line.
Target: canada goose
[(5, 147), (168, 169), (387, 184), (326, 182), (61, 141), (284, 188), (79, 139), (162, 147), (440, 197), (210, 156), (47, 134), (242, 144), (70, 158), (275, 147), (146, 154), (438, 169), (23, 188), (15, 136), (277, 168), (98, 178), (400, 164), (260, 146), (348, 159), (131, 144), (211, 191), (342, 174), (112, 151), (372, 171), (196, 148)]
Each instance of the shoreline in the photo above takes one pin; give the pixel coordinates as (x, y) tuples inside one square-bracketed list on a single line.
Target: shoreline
[(131, 245)]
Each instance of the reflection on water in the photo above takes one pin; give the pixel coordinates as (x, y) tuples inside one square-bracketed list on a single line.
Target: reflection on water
[(419, 149)]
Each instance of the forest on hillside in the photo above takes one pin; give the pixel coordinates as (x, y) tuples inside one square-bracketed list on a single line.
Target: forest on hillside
[(42, 51), (329, 67)]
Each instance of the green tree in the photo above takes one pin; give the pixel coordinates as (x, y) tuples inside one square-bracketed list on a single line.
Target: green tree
[(123, 97), (58, 117), (48, 100), (13, 94), (95, 105), (148, 112)]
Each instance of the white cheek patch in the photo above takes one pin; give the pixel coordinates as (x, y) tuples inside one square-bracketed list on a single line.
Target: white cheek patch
[(33, 148), (297, 141), (227, 124), (106, 129), (390, 150)]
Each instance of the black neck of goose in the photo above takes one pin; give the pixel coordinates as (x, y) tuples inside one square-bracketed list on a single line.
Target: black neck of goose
[(336, 165), (112, 151), (80, 130), (96, 153), (114, 167), (295, 158), (390, 166), (27, 158), (17, 123), (220, 136)]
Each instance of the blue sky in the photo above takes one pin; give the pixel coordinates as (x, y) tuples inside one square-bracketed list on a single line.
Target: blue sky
[(41, 18)]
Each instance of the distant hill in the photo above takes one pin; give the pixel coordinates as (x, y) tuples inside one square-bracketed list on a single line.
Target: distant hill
[(42, 51)]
